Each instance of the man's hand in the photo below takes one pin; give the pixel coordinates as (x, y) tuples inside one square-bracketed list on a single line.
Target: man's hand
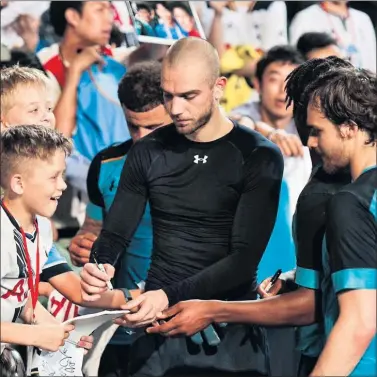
[(86, 58), (218, 6), (148, 306), (187, 318), (275, 289), (93, 281), (290, 145), (27, 28), (80, 247)]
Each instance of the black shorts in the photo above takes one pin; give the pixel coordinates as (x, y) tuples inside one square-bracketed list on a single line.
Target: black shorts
[(243, 351)]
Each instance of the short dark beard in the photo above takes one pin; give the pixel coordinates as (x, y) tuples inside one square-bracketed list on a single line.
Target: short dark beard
[(201, 122)]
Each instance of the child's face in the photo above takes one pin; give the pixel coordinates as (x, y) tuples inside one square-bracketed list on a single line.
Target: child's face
[(43, 184), (31, 104)]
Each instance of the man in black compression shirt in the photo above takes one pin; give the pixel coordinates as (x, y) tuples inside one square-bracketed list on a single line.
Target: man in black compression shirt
[(213, 188)]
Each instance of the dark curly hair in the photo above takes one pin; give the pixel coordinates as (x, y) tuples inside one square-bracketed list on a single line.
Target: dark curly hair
[(140, 88), (342, 92)]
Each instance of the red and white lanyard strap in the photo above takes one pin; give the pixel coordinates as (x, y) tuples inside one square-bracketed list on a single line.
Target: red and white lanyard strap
[(33, 285)]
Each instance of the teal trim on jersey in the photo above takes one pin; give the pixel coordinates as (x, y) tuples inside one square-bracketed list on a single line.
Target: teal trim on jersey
[(307, 278), (355, 278), (373, 205), (94, 212), (370, 168)]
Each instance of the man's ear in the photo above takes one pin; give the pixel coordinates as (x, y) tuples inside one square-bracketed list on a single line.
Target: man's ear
[(349, 130), (72, 17), (219, 87), (16, 184)]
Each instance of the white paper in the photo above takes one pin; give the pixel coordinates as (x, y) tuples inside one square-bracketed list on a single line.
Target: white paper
[(86, 324), (69, 359)]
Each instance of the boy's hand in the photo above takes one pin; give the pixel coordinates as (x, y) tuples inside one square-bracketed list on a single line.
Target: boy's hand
[(93, 281), (80, 247), (51, 337)]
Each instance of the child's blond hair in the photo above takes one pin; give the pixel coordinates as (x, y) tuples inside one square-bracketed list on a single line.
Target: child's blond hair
[(15, 76)]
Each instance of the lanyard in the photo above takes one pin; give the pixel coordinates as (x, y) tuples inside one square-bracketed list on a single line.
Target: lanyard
[(33, 285), (352, 33)]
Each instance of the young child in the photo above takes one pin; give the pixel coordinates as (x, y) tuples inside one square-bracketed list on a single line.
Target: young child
[(25, 97), (32, 166)]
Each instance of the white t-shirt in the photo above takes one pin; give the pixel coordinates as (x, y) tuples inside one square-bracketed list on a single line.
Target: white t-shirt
[(264, 27), (14, 273), (355, 34)]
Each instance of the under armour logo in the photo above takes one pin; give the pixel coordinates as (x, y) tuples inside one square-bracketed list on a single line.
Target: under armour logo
[(197, 159)]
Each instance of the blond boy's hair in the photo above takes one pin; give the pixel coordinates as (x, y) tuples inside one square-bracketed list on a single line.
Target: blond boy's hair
[(21, 144), (12, 78)]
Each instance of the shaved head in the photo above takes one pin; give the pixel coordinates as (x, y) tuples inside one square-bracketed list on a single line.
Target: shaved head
[(195, 51), (191, 84)]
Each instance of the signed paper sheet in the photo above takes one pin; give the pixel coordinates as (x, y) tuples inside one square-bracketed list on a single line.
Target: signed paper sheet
[(67, 361)]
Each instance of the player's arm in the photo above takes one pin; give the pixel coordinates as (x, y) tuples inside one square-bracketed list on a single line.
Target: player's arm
[(256, 211), (121, 221), (351, 243), (188, 317)]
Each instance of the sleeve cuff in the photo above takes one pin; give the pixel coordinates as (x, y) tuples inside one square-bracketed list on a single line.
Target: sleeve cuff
[(55, 270), (355, 278), (307, 278)]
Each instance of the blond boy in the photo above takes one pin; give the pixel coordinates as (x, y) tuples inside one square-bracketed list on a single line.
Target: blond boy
[(32, 165)]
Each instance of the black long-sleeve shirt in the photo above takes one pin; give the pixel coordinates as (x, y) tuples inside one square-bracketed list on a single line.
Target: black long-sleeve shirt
[(213, 208)]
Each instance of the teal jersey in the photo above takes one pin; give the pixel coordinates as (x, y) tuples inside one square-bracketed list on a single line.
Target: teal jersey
[(349, 253), (103, 180), (309, 230)]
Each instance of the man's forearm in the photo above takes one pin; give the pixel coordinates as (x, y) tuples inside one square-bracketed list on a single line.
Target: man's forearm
[(216, 34), (291, 309), (66, 108), (344, 348)]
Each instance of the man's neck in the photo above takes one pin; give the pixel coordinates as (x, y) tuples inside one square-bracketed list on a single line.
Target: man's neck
[(277, 123), (23, 217), (338, 8), (363, 159), (217, 127)]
